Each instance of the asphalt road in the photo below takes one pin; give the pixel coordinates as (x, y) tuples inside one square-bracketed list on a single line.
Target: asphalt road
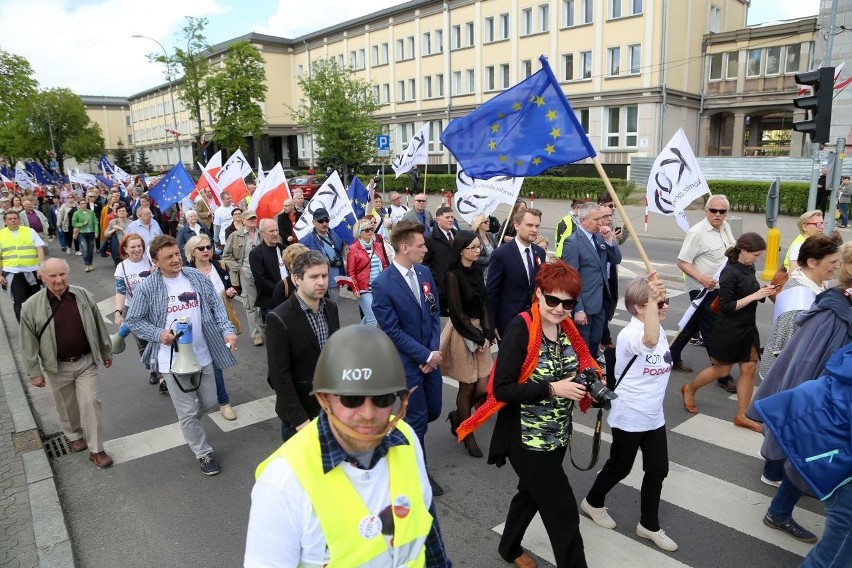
[(155, 508)]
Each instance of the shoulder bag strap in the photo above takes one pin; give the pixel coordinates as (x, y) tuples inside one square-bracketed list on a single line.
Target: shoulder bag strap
[(49, 319), (126, 281)]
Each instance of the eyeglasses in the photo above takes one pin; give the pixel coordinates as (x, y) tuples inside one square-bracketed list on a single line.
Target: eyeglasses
[(356, 401), (420, 201), (717, 211), (553, 301), (321, 220), (817, 223), (367, 230), (204, 247), (664, 303), (473, 247)]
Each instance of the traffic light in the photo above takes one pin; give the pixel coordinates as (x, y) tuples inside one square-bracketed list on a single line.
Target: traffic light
[(818, 103)]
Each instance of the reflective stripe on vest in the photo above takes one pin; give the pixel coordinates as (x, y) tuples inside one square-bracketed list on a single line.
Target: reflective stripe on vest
[(560, 239), (798, 240), (20, 250), (344, 517)]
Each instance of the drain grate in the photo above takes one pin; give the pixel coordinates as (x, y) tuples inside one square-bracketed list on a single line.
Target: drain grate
[(57, 446)]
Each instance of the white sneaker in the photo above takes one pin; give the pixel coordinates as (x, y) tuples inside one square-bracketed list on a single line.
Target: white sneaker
[(227, 412), (598, 515), (768, 481), (659, 538), (78, 253)]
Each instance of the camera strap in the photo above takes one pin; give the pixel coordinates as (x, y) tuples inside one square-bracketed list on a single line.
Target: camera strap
[(596, 439)]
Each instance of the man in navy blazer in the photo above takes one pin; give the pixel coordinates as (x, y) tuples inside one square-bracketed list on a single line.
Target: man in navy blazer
[(589, 249), (512, 270), (405, 303)]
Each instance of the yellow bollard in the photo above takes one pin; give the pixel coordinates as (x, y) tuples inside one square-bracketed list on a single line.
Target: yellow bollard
[(773, 248)]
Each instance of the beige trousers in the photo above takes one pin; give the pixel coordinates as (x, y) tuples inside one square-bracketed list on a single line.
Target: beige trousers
[(75, 394)]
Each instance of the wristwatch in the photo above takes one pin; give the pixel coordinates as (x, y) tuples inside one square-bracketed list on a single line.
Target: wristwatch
[(117, 311)]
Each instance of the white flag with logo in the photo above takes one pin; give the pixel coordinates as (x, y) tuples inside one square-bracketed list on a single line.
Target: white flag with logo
[(417, 152), (22, 178), (120, 174), (482, 196), (331, 196), (675, 180)]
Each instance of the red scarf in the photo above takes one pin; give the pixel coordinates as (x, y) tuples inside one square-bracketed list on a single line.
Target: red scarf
[(492, 405)]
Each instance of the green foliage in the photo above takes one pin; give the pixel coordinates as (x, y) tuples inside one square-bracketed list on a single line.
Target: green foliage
[(142, 163), (750, 196), (121, 157), (340, 113), (236, 89), (17, 87)]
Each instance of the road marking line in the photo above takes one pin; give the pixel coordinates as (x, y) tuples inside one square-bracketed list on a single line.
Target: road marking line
[(721, 433), (145, 443), (247, 414)]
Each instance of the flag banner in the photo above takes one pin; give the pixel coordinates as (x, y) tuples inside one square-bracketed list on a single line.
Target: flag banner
[(213, 167), (417, 152), (10, 185), (520, 132), (120, 174), (232, 176), (482, 196), (173, 187), (22, 178), (359, 196), (104, 180), (331, 196), (104, 165), (36, 172), (83, 178), (260, 174), (269, 197), (693, 306), (675, 180)]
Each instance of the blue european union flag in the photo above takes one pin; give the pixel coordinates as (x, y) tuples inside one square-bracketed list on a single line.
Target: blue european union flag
[(173, 187), (359, 196), (104, 165), (104, 180), (520, 132), (344, 229)]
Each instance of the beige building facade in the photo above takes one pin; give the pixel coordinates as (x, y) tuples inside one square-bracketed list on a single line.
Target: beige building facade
[(112, 115)]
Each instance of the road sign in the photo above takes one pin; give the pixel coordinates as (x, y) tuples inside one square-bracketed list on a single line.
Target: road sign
[(383, 142), (383, 153)]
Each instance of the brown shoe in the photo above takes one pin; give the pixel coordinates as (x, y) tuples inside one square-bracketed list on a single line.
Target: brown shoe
[(257, 342), (100, 459), (524, 561), (682, 367), (78, 445)]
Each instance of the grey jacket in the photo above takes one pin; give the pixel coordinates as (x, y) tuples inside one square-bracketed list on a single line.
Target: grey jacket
[(25, 221), (40, 356), (235, 251), (147, 317)]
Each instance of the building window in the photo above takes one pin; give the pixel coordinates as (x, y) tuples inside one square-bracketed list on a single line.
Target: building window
[(792, 63), (587, 10), (439, 85), (471, 80), (526, 21), (614, 9), (340, 60), (755, 63), (386, 93), (526, 68), (716, 66), (439, 41), (612, 126), (488, 30), (773, 60), (504, 26), (129, 139), (385, 54), (374, 55), (376, 93), (567, 13), (613, 61), (455, 37), (715, 24), (427, 44), (568, 67), (585, 64), (427, 87), (436, 127), (634, 7), (300, 70), (634, 56), (362, 55), (412, 89), (400, 50), (544, 17), (733, 65), (489, 78), (400, 91), (468, 34), (353, 61), (457, 82), (409, 52), (622, 126), (504, 75), (583, 117)]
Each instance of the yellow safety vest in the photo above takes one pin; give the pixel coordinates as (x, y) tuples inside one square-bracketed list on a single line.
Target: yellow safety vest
[(352, 533), (18, 250), (562, 237), (798, 240)]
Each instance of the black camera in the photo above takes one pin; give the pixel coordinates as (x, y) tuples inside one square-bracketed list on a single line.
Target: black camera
[(596, 389), (336, 262)]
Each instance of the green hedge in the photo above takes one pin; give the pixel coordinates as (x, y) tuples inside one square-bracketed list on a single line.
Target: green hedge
[(750, 196)]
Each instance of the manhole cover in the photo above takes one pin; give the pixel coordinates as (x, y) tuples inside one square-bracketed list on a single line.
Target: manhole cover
[(57, 446), (26, 441)]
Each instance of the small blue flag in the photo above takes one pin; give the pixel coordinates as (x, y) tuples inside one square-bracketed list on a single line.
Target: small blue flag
[(344, 229), (104, 165), (173, 187), (520, 132), (104, 180), (359, 196)]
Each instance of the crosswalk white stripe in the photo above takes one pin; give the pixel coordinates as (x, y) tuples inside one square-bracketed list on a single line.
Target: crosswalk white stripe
[(721, 433), (145, 443), (247, 414)]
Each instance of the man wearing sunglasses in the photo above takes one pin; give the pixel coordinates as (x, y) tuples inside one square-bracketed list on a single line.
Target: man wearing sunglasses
[(328, 243), (351, 487), (700, 257), (419, 214)]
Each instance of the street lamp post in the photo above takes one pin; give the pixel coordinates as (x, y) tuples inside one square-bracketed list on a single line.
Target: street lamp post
[(171, 91)]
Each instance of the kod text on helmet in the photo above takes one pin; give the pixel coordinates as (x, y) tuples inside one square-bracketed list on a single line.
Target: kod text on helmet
[(357, 374)]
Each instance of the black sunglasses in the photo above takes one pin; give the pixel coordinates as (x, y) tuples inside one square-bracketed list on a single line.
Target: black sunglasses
[(717, 211), (204, 247), (355, 401), (553, 301), (321, 220), (665, 302)]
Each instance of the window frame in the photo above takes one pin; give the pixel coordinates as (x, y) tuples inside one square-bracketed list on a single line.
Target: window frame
[(569, 8), (489, 80), (567, 61), (634, 56), (586, 67), (543, 13), (505, 76), (613, 61), (488, 35), (526, 22)]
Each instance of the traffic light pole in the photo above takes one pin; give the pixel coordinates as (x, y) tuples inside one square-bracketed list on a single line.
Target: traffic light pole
[(814, 178), (835, 183)]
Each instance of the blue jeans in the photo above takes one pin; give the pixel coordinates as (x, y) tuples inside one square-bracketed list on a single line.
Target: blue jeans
[(844, 213), (61, 234), (786, 497), (221, 392), (835, 547), (87, 243), (365, 302), (773, 470)]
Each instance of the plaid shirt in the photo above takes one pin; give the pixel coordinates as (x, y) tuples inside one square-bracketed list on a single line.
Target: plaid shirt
[(317, 319), (333, 455)]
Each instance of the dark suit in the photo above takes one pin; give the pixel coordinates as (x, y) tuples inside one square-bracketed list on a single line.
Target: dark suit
[(265, 261), (590, 262), (508, 288), (416, 332), (438, 256), (292, 350), (285, 228)]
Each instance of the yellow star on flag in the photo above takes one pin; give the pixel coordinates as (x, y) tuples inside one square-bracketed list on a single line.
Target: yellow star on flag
[(549, 149), (492, 145), (495, 127), (551, 115), (519, 163), (501, 115), (503, 158), (556, 133), (536, 161), (539, 101), (517, 106)]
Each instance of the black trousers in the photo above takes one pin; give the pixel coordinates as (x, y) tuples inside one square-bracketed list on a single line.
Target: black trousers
[(21, 290), (543, 488), (655, 464), (702, 320)]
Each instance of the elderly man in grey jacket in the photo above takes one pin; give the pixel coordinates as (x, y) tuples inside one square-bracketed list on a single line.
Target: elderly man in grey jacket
[(175, 293)]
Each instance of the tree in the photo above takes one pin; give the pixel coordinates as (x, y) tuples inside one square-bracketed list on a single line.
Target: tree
[(236, 91), (142, 164), (121, 157), (340, 113), (17, 85), (192, 62)]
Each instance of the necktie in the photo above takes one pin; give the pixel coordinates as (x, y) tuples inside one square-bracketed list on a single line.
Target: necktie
[(596, 242), (450, 236), (412, 283), (529, 265)]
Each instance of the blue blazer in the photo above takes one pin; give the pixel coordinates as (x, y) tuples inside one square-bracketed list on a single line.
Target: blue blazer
[(507, 287), (591, 264), (415, 330)]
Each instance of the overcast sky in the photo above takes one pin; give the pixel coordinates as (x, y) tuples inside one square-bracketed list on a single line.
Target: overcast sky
[(85, 45)]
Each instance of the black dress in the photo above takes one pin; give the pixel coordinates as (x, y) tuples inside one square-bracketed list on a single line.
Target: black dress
[(735, 330)]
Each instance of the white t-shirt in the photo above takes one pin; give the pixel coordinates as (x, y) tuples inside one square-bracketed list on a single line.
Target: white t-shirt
[(37, 241), (397, 212), (215, 279), (183, 302), (639, 406), (222, 219), (132, 273), (283, 529)]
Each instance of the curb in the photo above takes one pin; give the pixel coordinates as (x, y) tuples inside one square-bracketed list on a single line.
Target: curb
[(53, 543)]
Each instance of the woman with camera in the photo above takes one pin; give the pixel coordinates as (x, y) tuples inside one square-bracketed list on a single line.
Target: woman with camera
[(735, 335), (540, 356), (643, 365)]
